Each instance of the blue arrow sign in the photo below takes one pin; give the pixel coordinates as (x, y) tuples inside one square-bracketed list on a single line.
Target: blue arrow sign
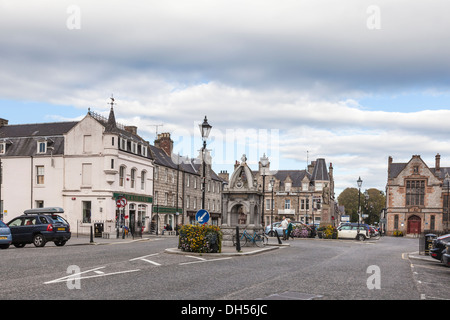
[(202, 216)]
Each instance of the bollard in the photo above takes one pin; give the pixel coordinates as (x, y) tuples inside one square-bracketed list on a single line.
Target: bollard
[(238, 243), (92, 236), (278, 237)]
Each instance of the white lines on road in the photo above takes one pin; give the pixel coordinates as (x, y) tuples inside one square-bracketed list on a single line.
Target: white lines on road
[(77, 276), (146, 260), (204, 260)]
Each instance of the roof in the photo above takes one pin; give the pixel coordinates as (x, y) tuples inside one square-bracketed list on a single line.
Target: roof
[(320, 171), (21, 140), (296, 176)]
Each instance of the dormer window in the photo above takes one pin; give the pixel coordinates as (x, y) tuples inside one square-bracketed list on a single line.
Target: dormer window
[(144, 150), (123, 144), (42, 147)]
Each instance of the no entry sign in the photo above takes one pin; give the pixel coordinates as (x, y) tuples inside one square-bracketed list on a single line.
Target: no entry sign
[(121, 202)]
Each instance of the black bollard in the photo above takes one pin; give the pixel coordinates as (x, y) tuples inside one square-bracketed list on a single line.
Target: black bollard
[(238, 243), (92, 236), (278, 237)]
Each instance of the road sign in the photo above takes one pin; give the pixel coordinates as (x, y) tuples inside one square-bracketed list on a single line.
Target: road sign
[(202, 216), (121, 202)]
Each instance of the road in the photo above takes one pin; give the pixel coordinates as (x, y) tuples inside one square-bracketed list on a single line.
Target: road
[(307, 269)]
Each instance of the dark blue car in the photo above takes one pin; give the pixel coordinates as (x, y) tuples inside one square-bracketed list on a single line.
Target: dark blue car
[(39, 226), (5, 236)]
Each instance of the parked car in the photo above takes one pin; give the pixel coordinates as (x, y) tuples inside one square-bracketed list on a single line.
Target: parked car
[(350, 231), (445, 259), (277, 227), (39, 226), (439, 246), (5, 236)]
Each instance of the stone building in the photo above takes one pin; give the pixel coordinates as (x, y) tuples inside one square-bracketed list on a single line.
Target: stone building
[(301, 195), (417, 196)]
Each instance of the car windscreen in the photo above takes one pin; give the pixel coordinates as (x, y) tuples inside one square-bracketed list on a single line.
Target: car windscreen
[(59, 219), (3, 225)]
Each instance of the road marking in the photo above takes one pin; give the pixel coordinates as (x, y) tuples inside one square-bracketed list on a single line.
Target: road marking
[(150, 261), (76, 276), (140, 258), (199, 258), (192, 262)]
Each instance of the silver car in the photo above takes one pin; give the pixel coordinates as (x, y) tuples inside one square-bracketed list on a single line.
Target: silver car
[(5, 236)]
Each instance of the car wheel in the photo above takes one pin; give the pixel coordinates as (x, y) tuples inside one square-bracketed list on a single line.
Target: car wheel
[(60, 243), (39, 240), (19, 245), (271, 233), (360, 237)]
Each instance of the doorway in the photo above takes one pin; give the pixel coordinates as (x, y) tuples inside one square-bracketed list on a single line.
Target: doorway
[(414, 225)]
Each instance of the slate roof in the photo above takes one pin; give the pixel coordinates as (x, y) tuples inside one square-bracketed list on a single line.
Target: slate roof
[(21, 140), (320, 171)]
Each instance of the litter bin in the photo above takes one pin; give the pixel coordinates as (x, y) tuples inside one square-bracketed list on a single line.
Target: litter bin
[(98, 230), (429, 242)]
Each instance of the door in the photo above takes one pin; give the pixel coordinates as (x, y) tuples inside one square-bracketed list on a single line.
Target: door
[(414, 225)]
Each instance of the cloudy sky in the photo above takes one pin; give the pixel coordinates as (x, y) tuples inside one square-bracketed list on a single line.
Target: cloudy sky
[(351, 81)]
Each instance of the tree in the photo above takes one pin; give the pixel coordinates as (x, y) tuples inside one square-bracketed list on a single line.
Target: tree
[(371, 205), (349, 199)]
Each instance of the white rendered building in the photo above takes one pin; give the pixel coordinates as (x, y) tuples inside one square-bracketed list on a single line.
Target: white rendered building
[(83, 166)]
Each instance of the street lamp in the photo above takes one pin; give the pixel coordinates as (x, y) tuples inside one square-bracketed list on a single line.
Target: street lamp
[(272, 185), (205, 129), (359, 181), (264, 162), (445, 212)]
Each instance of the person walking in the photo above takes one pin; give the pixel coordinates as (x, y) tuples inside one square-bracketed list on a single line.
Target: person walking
[(284, 225), (289, 229)]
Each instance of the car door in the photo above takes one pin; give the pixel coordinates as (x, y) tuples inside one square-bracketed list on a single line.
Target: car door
[(28, 229), (15, 226), (345, 232)]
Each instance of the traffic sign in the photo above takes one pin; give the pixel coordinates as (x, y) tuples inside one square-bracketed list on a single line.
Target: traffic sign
[(121, 202), (202, 216)]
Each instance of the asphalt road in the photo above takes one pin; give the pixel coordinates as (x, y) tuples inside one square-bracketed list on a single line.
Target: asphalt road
[(307, 269)]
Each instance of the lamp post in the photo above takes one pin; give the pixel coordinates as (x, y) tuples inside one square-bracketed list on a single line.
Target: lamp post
[(205, 129), (272, 185), (359, 181), (445, 212), (264, 162)]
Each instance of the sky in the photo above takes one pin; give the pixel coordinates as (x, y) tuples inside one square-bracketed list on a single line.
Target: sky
[(352, 81)]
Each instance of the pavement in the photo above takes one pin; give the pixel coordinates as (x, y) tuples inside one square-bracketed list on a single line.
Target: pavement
[(226, 251)]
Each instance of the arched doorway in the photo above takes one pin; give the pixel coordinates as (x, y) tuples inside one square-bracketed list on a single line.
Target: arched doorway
[(414, 225)]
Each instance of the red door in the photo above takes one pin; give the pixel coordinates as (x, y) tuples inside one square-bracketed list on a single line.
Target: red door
[(414, 224)]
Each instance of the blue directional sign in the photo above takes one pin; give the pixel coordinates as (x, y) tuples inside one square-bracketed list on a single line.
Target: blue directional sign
[(202, 216)]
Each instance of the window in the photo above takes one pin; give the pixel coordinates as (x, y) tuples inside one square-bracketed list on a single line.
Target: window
[(188, 199), (122, 176), (112, 163), (39, 203), (302, 204), (133, 178), (39, 174), (144, 150), (195, 203), (268, 204), (166, 171), (2, 148), (123, 144), (432, 222), (156, 173), (143, 177), (86, 211), (287, 204), (134, 147), (187, 181), (396, 221), (42, 147), (415, 192), (166, 198), (156, 198)]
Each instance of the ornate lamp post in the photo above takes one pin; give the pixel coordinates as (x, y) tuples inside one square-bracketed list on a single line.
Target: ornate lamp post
[(205, 129), (272, 185), (264, 162), (359, 181)]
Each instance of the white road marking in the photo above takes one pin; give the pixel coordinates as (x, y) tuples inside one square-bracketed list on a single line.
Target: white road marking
[(77, 275), (184, 263)]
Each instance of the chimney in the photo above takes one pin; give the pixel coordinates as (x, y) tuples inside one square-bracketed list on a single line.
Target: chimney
[(3, 122), (164, 142), (224, 175), (131, 129), (438, 163)]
